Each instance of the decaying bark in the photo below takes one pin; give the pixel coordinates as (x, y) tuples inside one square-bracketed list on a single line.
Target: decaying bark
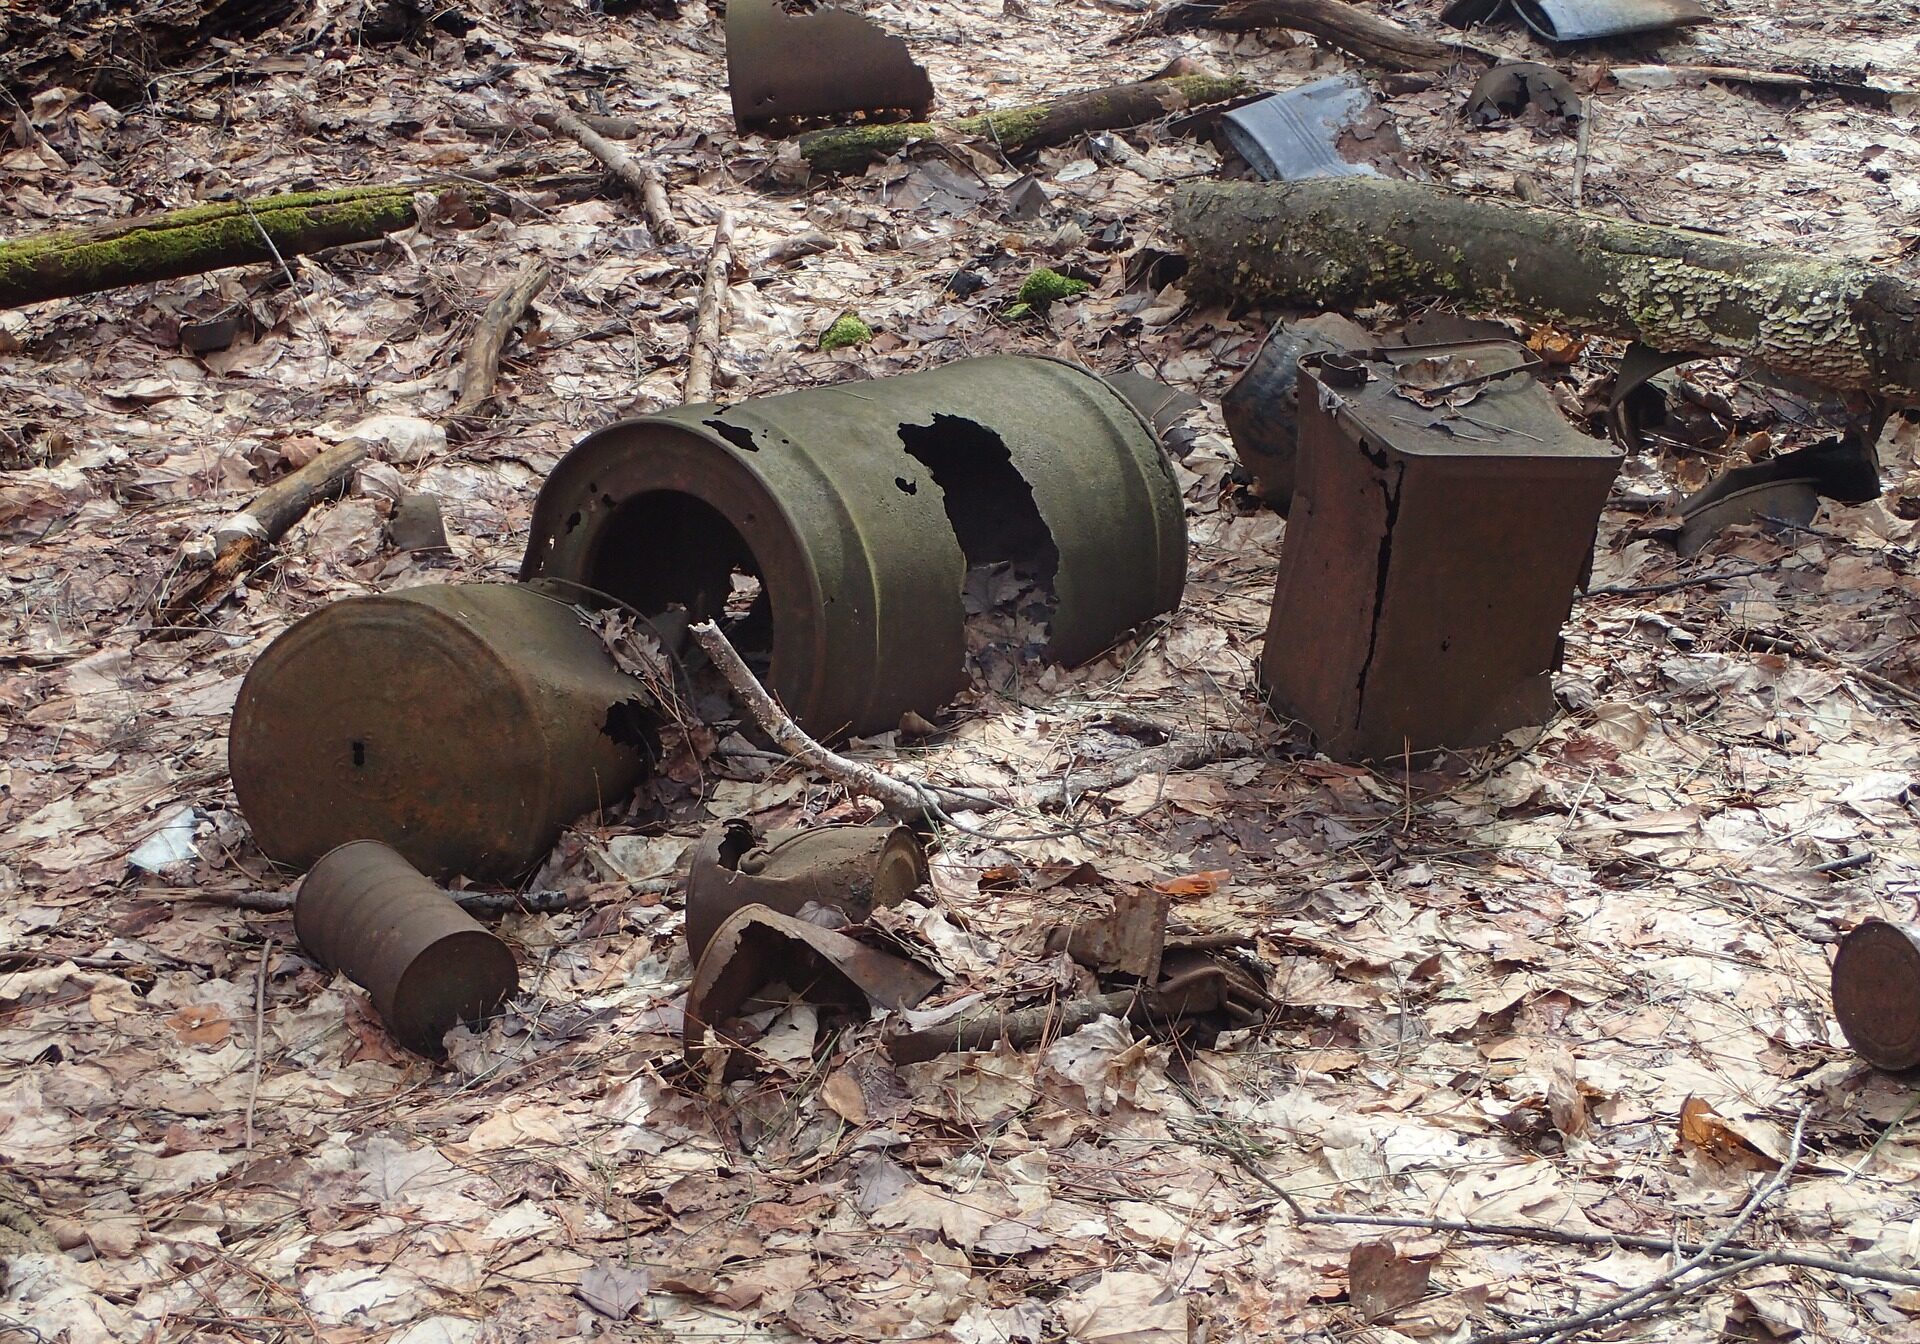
[(1341, 242), (209, 237), (480, 365), (1379, 42), (1014, 130)]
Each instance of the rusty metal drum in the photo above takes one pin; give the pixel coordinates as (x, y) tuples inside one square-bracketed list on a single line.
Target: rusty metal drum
[(848, 517), (465, 725), (366, 912), (1876, 993)]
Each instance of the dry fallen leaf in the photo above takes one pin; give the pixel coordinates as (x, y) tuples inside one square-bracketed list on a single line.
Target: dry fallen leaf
[(1380, 1280), (1195, 884)]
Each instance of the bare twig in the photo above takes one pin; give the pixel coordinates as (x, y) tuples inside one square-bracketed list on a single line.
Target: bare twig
[(1675, 585), (473, 902), (1183, 753), (703, 349), (259, 1034), (480, 365), (640, 179), (1582, 149)]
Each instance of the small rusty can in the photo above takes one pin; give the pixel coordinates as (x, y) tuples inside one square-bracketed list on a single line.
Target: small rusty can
[(368, 913), (833, 528), (853, 869), (463, 724), (1443, 514), (1876, 993)]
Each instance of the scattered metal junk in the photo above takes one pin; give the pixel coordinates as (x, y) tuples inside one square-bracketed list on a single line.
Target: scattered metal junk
[(854, 870), (1876, 993), (368, 913), (787, 69), (417, 526), (1582, 20), (1444, 513), (465, 725), (1328, 128), (1261, 409), (1508, 90), (831, 531)]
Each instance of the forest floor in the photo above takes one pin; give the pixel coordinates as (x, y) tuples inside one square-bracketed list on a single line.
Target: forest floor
[(1577, 981)]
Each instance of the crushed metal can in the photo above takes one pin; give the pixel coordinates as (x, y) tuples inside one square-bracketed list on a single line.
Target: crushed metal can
[(852, 869), (830, 531), (464, 724), (1443, 516), (1876, 993), (367, 913)]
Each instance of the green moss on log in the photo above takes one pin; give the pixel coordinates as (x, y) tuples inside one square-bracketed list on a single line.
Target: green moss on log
[(846, 330)]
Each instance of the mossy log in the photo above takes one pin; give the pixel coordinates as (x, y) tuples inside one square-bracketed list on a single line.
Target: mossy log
[(1379, 42), (1015, 130), (1337, 243), (208, 237)]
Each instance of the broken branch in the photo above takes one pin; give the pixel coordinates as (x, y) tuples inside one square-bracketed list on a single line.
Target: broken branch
[(1013, 130), (1184, 753), (640, 179), (1377, 41), (1342, 242), (207, 238), (480, 366), (1021, 1028), (704, 347), (473, 902)]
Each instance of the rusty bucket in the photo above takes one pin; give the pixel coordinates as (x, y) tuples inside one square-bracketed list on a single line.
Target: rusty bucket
[(831, 530), (853, 869), (1876, 993), (368, 913), (465, 725)]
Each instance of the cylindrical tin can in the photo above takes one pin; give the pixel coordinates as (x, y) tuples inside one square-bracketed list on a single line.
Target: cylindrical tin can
[(857, 510), (465, 725), (365, 911), (1876, 993), (853, 869)]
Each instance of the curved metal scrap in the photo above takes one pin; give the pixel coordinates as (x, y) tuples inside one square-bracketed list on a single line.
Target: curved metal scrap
[(787, 67)]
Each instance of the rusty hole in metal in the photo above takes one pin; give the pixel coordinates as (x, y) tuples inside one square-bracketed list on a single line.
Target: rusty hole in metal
[(573, 520), (663, 549), (359, 753), (634, 723), (1011, 557), (737, 435), (907, 487)]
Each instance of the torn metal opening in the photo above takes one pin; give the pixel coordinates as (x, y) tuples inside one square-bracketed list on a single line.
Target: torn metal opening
[(1009, 593)]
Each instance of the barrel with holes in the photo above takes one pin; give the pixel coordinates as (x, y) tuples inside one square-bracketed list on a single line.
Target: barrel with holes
[(368, 913), (465, 725), (832, 529)]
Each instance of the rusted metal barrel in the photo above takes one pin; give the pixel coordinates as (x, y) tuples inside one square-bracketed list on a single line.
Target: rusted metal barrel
[(857, 510), (853, 869), (1876, 993), (465, 725), (366, 912)]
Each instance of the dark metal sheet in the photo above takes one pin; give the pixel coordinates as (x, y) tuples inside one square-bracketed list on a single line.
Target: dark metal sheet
[(1876, 993), (1300, 133), (1511, 88), (1585, 20), (366, 912), (796, 68), (1432, 552)]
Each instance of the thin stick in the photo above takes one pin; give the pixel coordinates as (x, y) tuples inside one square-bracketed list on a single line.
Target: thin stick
[(1583, 146), (705, 344), (1675, 585), (473, 902), (1184, 753), (480, 365), (1622, 1307), (640, 179), (259, 1034)]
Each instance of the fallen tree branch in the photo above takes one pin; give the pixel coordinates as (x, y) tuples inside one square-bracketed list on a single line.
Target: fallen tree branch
[(613, 128), (704, 346), (1869, 95), (1341, 242), (641, 179), (1014, 130), (480, 365), (211, 237), (473, 902), (1182, 753), (1379, 42), (1020, 1028)]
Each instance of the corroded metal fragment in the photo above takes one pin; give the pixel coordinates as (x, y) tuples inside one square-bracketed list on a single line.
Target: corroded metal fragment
[(786, 68), (1876, 993)]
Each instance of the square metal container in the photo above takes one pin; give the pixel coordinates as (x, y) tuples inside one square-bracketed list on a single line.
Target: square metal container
[(1431, 555)]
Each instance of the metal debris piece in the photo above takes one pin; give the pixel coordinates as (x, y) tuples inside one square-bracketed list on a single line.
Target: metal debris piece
[(1431, 556), (1582, 20), (463, 724), (1329, 128), (789, 69), (1790, 502), (1260, 409), (852, 869), (1786, 488), (1510, 89), (368, 913), (1160, 405), (1876, 993), (1127, 940), (853, 514), (755, 947), (416, 524)]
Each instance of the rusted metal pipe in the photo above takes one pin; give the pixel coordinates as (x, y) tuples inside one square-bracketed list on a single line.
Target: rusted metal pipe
[(368, 913)]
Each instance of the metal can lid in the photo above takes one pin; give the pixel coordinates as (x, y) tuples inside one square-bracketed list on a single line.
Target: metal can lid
[(1876, 993)]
